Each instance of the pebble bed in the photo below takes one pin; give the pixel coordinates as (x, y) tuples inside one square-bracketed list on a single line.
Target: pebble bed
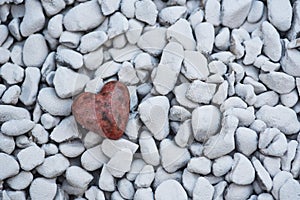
[(214, 99)]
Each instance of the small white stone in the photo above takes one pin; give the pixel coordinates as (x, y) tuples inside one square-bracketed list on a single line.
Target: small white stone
[(111, 147), (42, 188), (93, 158), (170, 65), (70, 39), (93, 59), (170, 15), (134, 30), (71, 149), (145, 177), (40, 135), (4, 55), (133, 126), (205, 36), (206, 121), (33, 19), (127, 74), (69, 58), (31, 157), (281, 117), (290, 155), (199, 165), (55, 27), (143, 193), (123, 156), (127, 53), (12, 73), (222, 165), (201, 92), (117, 25), (278, 181), (203, 189), (16, 127), (246, 140), (94, 193), (272, 142), (48, 121), (7, 144), (222, 40), (91, 139), (10, 165), (257, 86), (256, 12), (170, 189), (289, 190), (71, 190), (83, 17), (290, 62), (4, 33), (149, 149), (146, 11), (275, 81), (253, 48), (269, 98), (281, 21), (272, 165), (179, 113), (53, 7), (136, 166), (221, 93), (92, 41), (11, 95), (194, 65), (196, 17), (68, 126), (53, 166), (128, 8), (20, 181), (235, 192), (125, 188), (213, 12), (108, 69), (106, 180), (289, 99), (184, 135), (180, 92), (262, 175), (173, 157), (109, 6), (78, 177), (154, 114)]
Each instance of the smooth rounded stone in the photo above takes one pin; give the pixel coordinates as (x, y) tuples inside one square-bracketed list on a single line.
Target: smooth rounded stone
[(199, 165), (242, 171), (16, 54), (117, 25), (123, 156), (272, 142), (71, 190), (71, 149), (4, 33), (262, 175), (127, 74), (10, 165), (179, 92), (4, 55), (111, 147), (221, 93), (92, 41), (246, 140), (70, 39), (265, 196), (53, 7), (35, 51), (223, 143), (201, 92), (91, 139), (34, 18), (11, 95), (173, 157), (253, 49), (53, 166), (258, 87), (149, 149), (170, 189), (145, 177), (272, 165), (181, 32), (7, 144), (109, 6), (154, 114), (30, 85), (31, 157), (39, 134), (83, 17), (94, 59), (2, 89), (93, 158), (238, 192), (245, 116), (279, 180), (69, 127), (12, 73), (42, 188), (48, 121), (169, 65), (146, 11), (281, 21), (281, 117), (17, 127), (125, 188), (189, 180), (127, 7), (256, 12), (205, 37), (20, 181), (194, 65), (23, 141), (272, 45), (278, 81), (134, 31), (106, 180), (136, 166), (203, 189), (269, 98), (213, 12), (143, 193), (50, 149), (222, 165), (153, 41), (291, 155), (78, 177), (68, 83), (94, 193), (69, 58), (234, 13), (290, 190), (184, 135), (55, 27), (107, 69), (222, 39), (51, 103), (179, 113), (161, 175), (170, 15), (290, 99), (290, 62), (206, 121)]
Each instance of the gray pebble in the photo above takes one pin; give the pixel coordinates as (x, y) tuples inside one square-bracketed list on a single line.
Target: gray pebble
[(7, 144), (51, 103), (12, 73), (71, 149), (17, 127), (269, 98), (16, 54), (20, 181), (272, 142), (2, 89), (23, 141), (31, 157), (10, 165), (30, 86), (78, 177), (11, 95), (246, 140), (42, 188), (91, 139), (40, 135), (35, 51), (53, 166)]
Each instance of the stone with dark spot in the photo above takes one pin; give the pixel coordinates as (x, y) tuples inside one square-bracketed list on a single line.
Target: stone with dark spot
[(105, 113)]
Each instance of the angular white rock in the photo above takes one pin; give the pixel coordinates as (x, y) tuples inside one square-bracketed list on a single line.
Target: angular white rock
[(93, 158), (145, 177), (169, 190), (111, 147), (205, 37), (93, 59), (123, 156), (246, 140), (194, 65), (290, 62), (253, 48), (42, 188), (53, 166), (78, 177), (70, 39), (272, 142), (289, 190), (201, 92), (106, 180), (180, 92), (94, 193), (10, 165), (146, 11), (117, 25), (134, 30), (31, 157), (154, 114), (109, 6), (262, 175), (171, 14)]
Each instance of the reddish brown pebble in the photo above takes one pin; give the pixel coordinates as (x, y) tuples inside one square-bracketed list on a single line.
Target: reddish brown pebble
[(105, 113)]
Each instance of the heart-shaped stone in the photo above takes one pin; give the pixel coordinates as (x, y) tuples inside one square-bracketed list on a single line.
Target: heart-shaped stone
[(105, 113)]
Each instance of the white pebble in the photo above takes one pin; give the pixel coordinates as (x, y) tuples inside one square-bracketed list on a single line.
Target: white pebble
[(7, 144), (20, 181), (50, 149), (136, 166), (281, 21), (108, 69), (246, 140), (145, 177), (123, 156), (78, 177), (109, 6), (53, 7), (194, 65), (253, 48), (70, 39), (35, 51), (69, 58), (290, 62), (42, 188), (71, 149), (92, 41), (205, 36), (48, 121), (170, 15), (106, 180), (201, 92), (199, 165), (143, 193), (117, 25), (40, 135), (278, 181), (128, 8), (256, 12), (111, 147), (184, 135), (10, 165), (91, 139), (170, 189), (94, 193), (276, 80), (146, 11), (16, 127), (272, 142), (222, 165), (269, 98), (289, 190), (55, 27), (93, 158), (262, 175), (203, 189), (289, 99), (236, 192), (12, 73), (4, 55), (180, 96), (31, 157), (134, 30), (53, 166), (125, 188), (149, 149), (11, 95)]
